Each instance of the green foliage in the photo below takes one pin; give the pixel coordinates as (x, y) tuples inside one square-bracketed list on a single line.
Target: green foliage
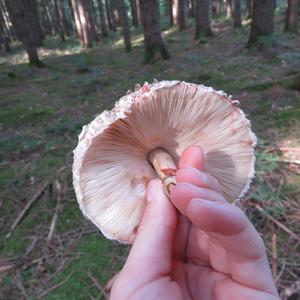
[(64, 125), (94, 261), (21, 115), (287, 117), (263, 42)]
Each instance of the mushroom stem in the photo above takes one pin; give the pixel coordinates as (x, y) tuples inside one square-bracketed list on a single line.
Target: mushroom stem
[(165, 168)]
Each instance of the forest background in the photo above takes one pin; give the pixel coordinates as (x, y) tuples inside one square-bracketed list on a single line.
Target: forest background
[(64, 61)]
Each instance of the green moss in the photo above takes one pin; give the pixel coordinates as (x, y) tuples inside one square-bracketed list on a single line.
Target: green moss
[(13, 245), (48, 164), (70, 216), (21, 115), (7, 174), (286, 117), (94, 258)]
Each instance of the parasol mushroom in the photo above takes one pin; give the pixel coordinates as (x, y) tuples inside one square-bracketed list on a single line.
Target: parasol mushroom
[(143, 136)]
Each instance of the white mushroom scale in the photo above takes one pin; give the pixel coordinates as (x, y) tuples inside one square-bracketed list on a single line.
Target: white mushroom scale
[(111, 162)]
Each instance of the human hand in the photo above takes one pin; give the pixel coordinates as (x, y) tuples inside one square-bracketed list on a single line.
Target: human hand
[(206, 250)]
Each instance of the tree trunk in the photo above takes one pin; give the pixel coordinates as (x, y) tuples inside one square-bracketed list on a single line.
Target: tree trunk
[(33, 56), (24, 17), (45, 19), (170, 9), (202, 19), (84, 22), (57, 20), (237, 22), (262, 25), (6, 22), (249, 5), (4, 39), (110, 20), (122, 12), (104, 29), (229, 10), (88, 11), (63, 18), (53, 16), (4, 32), (291, 20), (216, 8), (77, 19), (193, 8), (179, 10), (138, 10), (152, 35), (71, 15), (114, 13), (134, 15)]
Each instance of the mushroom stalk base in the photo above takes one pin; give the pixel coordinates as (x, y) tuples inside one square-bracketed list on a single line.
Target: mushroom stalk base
[(165, 168)]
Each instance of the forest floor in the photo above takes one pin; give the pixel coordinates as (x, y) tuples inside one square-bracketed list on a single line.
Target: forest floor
[(43, 110)]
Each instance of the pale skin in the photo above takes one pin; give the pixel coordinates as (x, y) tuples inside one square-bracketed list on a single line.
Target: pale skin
[(194, 245)]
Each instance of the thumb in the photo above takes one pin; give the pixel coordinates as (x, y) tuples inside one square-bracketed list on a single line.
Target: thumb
[(151, 252)]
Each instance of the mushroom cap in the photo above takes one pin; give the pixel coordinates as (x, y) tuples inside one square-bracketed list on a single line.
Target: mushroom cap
[(111, 170)]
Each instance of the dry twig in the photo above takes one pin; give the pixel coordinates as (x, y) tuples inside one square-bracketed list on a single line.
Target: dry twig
[(55, 216), (97, 285), (276, 222), (56, 286), (37, 195)]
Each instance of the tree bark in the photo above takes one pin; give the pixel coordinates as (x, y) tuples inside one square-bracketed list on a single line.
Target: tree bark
[(71, 14), (179, 10), (170, 9), (114, 13), (4, 39), (122, 12), (152, 34), (104, 29), (134, 15), (193, 8), (45, 19), (249, 5), (6, 22), (202, 19), (63, 18), (24, 17), (262, 25), (138, 10), (53, 16), (5, 34), (85, 22), (57, 20), (110, 20), (229, 10), (77, 19), (291, 20), (237, 21), (216, 8), (88, 10)]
